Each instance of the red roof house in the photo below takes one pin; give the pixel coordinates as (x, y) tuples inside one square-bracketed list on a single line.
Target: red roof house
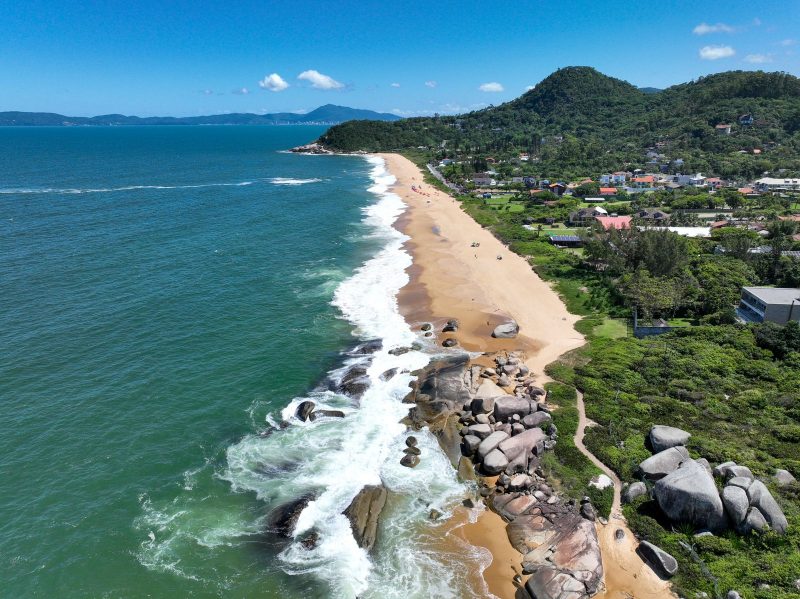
[(608, 191), (614, 222)]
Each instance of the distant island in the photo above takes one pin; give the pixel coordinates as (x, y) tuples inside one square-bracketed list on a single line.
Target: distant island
[(329, 114)]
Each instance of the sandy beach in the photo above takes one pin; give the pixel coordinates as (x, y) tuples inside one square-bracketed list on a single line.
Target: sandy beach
[(451, 278)]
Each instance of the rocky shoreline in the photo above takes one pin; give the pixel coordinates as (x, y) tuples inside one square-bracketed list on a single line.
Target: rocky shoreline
[(504, 426)]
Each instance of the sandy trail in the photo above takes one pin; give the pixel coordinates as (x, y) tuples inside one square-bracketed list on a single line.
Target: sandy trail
[(451, 278)]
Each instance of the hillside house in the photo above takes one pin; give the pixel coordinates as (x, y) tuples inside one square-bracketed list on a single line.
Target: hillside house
[(746, 120), (769, 304), (777, 184), (608, 191), (643, 182), (723, 129), (558, 188), (653, 215), (483, 179), (714, 183), (585, 216)]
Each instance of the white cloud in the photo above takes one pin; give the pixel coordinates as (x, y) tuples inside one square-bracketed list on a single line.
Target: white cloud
[(705, 28), (431, 84), (395, 85), (273, 82), (716, 52), (320, 81), (492, 86), (207, 92), (241, 91), (787, 43), (529, 87), (758, 58)]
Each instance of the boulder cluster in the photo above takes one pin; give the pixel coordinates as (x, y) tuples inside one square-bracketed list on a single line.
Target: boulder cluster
[(506, 426), (686, 489)]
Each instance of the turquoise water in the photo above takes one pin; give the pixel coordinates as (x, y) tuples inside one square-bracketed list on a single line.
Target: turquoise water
[(166, 293)]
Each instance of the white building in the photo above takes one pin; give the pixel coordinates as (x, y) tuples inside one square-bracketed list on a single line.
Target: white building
[(773, 184)]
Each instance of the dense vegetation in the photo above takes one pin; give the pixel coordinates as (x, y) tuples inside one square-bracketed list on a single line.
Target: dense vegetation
[(579, 122)]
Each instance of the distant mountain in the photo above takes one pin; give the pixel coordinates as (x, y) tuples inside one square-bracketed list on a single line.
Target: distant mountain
[(329, 114), (650, 90), (578, 121)]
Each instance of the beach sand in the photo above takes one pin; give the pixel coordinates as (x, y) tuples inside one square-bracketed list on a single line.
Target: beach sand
[(452, 279)]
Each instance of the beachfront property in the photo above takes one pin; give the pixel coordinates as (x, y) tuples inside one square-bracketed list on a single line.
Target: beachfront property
[(777, 184), (483, 179), (769, 304)]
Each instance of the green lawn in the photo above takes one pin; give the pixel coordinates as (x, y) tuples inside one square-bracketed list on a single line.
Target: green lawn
[(611, 328)]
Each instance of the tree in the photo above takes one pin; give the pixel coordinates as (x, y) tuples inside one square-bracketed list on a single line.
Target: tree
[(650, 295), (737, 242)]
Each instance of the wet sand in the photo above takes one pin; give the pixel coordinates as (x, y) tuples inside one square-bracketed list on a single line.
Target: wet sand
[(452, 279)]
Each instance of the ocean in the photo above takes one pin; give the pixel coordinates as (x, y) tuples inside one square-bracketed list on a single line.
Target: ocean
[(169, 296)]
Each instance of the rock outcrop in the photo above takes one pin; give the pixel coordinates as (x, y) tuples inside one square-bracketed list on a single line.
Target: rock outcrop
[(664, 437), (662, 562), (690, 495), (659, 465), (507, 330), (363, 513)]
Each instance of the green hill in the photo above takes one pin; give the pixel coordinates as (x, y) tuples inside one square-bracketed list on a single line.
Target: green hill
[(578, 121)]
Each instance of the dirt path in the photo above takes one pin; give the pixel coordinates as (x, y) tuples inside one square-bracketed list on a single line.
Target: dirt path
[(625, 576)]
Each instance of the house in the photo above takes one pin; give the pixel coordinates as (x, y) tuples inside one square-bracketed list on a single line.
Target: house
[(747, 191), (558, 188), (652, 215), (608, 191), (723, 129), (718, 224), (644, 182), (695, 180), (524, 157), (614, 222), (714, 183), (570, 241), (595, 200), (769, 304), (517, 179), (746, 120), (586, 215), (482, 179), (774, 184)]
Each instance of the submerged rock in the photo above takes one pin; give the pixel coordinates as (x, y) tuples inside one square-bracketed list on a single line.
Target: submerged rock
[(409, 461), (364, 512), (326, 413), (304, 410), (283, 518)]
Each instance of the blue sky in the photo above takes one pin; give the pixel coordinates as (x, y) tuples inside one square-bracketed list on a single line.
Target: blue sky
[(182, 57)]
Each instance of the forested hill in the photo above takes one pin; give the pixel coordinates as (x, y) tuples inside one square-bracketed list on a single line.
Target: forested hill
[(579, 121), (330, 113)]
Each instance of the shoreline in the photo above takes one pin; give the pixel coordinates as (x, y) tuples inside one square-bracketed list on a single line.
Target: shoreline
[(450, 278)]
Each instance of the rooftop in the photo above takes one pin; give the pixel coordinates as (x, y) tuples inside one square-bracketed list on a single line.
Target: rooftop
[(775, 295)]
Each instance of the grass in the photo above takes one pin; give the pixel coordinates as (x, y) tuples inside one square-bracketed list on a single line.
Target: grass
[(566, 463), (611, 328)]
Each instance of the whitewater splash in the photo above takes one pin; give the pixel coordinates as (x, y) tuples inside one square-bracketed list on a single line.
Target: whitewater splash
[(332, 459), (72, 191), (289, 181)]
